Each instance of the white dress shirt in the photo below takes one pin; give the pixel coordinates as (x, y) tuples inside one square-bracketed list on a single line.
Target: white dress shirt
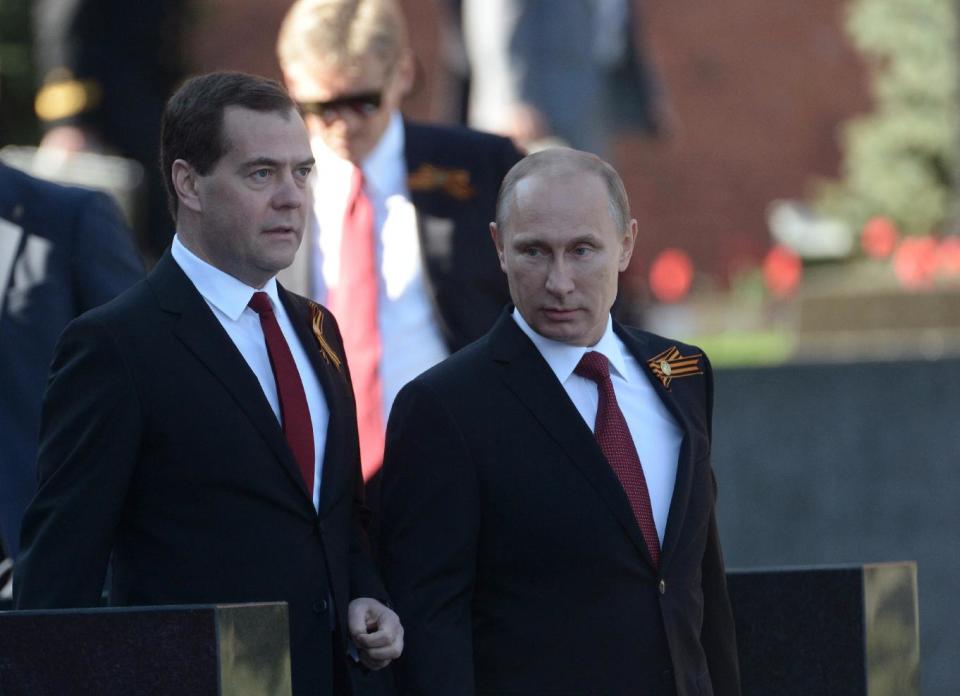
[(410, 337), (655, 432), (228, 297)]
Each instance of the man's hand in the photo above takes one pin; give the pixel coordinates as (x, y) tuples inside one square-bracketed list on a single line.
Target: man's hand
[(376, 631)]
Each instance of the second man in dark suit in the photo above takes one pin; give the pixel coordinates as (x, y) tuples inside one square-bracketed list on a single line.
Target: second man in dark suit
[(548, 501), (63, 250), (418, 280), (199, 429)]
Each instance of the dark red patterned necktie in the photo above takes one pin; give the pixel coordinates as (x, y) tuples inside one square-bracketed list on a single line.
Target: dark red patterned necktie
[(617, 446), (294, 411)]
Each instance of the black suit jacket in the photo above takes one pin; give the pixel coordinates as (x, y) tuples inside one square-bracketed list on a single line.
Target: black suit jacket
[(462, 273), (63, 250), (158, 445), (510, 549)]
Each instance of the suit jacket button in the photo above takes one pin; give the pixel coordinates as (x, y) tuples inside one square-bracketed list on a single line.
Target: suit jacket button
[(662, 586), (320, 606)]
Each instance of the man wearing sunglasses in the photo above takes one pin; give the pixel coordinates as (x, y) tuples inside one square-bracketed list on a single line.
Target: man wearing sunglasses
[(399, 248)]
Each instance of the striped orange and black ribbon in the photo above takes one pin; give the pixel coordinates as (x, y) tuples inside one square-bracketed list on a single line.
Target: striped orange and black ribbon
[(670, 365)]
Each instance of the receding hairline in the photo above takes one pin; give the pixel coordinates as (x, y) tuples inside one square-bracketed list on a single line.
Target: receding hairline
[(559, 164)]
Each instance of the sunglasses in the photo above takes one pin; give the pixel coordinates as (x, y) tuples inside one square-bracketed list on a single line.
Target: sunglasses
[(363, 104)]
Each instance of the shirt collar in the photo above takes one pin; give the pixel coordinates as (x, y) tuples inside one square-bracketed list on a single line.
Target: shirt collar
[(384, 167), (563, 358), (220, 289)]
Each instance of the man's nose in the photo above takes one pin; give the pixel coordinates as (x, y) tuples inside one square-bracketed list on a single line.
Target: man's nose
[(290, 193), (343, 117), (559, 277)]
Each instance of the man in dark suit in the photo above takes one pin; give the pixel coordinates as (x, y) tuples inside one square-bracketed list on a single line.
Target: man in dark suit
[(525, 553), (435, 286), (63, 250), (198, 430)]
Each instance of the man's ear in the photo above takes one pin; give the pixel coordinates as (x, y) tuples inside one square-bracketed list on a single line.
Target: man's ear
[(406, 73), (626, 248), (187, 185), (498, 243)]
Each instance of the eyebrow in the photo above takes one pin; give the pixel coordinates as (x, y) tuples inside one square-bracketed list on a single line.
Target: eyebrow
[(269, 162), (528, 241)]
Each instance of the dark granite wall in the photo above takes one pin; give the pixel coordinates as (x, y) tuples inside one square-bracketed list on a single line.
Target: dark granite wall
[(849, 464)]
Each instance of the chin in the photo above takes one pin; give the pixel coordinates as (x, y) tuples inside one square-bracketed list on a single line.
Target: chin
[(561, 334), (277, 262)]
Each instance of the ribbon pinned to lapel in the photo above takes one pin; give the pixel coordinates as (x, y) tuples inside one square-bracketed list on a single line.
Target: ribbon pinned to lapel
[(670, 365), (316, 320), (454, 182)]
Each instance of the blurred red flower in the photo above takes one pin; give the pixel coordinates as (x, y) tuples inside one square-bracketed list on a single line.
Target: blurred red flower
[(782, 271), (878, 237), (915, 262), (671, 275), (949, 257)]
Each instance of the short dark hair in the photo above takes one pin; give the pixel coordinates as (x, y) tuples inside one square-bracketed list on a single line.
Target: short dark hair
[(192, 126), (565, 161)]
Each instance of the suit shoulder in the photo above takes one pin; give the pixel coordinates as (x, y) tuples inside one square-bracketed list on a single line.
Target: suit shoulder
[(127, 309), (656, 343), (446, 134), (464, 369), (443, 143), (49, 191)]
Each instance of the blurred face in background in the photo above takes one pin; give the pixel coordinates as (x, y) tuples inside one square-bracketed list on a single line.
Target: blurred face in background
[(349, 107)]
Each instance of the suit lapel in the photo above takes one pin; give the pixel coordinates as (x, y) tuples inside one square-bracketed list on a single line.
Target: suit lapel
[(11, 229), (335, 389), (681, 490), (530, 378), (11, 236), (198, 329)]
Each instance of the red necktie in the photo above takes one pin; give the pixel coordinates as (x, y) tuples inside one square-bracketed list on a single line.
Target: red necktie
[(354, 303), (294, 412), (617, 446)]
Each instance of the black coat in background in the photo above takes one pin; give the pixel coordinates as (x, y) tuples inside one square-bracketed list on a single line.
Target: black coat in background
[(510, 549), (63, 250), (158, 445)]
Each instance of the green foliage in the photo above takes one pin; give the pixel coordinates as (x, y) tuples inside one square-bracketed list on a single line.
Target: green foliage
[(746, 348), (17, 122), (900, 160)]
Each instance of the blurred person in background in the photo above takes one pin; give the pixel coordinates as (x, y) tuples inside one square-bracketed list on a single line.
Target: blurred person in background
[(106, 68), (398, 247), (63, 250), (572, 71)]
